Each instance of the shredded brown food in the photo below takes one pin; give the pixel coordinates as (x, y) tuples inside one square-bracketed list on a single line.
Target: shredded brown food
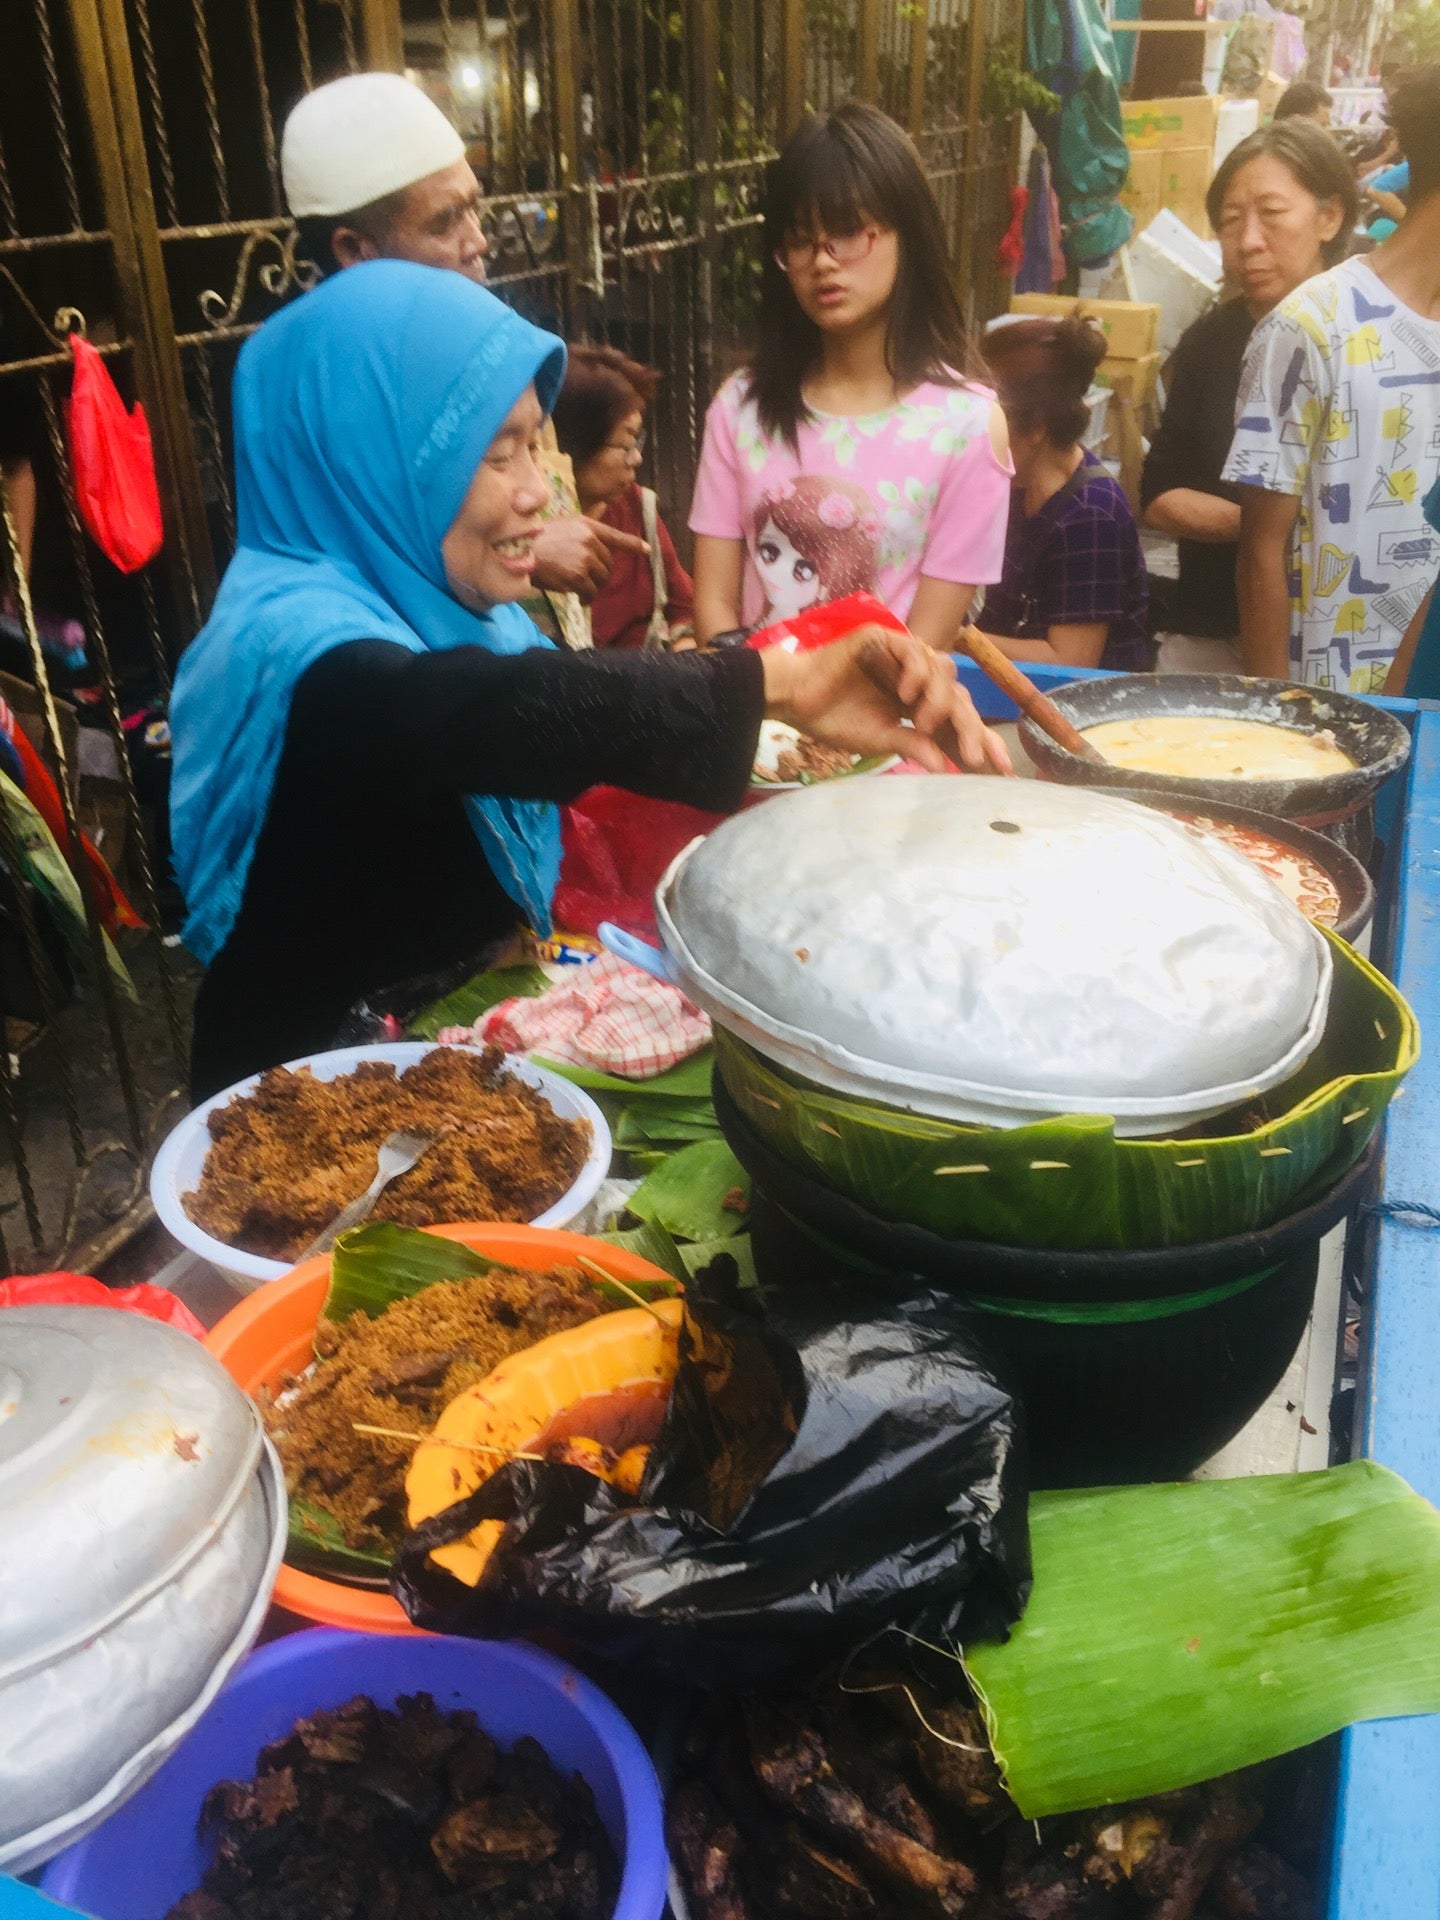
[(287, 1158), (806, 760), (402, 1370)]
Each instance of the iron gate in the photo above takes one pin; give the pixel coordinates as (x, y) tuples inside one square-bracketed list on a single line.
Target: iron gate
[(622, 145)]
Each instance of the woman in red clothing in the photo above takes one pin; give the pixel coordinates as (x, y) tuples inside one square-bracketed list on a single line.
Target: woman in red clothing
[(600, 423)]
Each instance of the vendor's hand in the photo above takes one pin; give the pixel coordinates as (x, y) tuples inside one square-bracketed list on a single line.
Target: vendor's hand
[(854, 694), (572, 555)]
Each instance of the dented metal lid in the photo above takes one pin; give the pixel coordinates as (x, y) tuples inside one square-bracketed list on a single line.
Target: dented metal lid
[(124, 1447)]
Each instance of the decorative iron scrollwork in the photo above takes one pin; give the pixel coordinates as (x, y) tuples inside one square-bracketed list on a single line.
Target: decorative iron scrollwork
[(288, 272)]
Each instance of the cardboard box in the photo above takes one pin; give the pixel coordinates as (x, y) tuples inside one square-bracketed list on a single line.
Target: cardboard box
[(1130, 326), (1185, 176), (1140, 195), (1133, 385), (1271, 88), (1172, 123), (1238, 120)]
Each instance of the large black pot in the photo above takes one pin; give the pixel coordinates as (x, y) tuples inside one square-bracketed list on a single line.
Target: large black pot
[(1349, 877), (1132, 1366), (1337, 804)]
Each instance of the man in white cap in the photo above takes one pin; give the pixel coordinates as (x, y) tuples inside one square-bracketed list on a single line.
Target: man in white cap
[(374, 171)]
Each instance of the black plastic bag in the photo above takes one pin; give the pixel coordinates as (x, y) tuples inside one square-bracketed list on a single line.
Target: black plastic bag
[(831, 1464)]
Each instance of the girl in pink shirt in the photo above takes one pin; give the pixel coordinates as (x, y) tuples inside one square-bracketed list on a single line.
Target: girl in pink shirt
[(852, 452)]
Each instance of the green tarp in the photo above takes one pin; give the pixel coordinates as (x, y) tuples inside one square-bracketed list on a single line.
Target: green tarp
[(1069, 48)]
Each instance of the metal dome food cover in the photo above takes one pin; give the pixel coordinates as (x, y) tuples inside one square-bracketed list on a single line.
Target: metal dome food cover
[(986, 951)]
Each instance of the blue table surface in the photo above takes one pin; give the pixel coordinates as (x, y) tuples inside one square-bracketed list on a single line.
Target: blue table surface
[(1386, 1862)]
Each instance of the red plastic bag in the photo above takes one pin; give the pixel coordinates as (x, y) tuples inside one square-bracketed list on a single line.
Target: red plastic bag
[(823, 625), (112, 464), (79, 1290), (617, 845)]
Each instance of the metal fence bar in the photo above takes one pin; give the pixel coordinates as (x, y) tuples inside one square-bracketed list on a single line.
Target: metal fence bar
[(160, 132), (919, 50), (57, 109), (212, 108), (381, 35), (262, 89), (792, 66), (113, 111), (67, 785), (10, 852), (100, 649)]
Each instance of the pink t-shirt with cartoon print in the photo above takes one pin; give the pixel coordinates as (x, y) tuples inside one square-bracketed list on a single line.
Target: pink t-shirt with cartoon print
[(869, 502)]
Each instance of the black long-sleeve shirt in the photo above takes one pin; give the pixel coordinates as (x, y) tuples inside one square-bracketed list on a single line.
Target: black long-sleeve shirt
[(1190, 450), (367, 871)]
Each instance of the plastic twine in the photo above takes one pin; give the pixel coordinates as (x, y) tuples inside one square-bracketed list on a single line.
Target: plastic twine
[(1409, 1213)]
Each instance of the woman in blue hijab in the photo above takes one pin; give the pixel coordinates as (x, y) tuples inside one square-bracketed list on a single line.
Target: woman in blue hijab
[(370, 738)]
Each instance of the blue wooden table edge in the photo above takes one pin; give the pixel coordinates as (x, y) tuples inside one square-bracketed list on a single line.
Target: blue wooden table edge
[(1386, 1863), (1386, 1853)]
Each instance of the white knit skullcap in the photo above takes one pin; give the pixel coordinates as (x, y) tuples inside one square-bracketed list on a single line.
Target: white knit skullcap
[(352, 141)]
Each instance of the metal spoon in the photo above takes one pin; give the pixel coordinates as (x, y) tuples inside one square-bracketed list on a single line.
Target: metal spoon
[(399, 1152)]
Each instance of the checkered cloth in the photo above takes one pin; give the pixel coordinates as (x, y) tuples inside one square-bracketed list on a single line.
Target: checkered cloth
[(605, 1015)]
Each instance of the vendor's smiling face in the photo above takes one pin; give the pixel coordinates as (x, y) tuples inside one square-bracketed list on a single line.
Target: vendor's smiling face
[(490, 547)]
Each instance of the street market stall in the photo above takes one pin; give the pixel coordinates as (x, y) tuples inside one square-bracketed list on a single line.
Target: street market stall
[(692, 1494)]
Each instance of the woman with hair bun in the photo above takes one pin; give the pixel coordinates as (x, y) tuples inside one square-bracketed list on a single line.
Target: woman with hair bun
[(1073, 589)]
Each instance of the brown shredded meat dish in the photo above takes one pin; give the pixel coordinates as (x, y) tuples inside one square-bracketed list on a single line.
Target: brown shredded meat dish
[(401, 1370), (285, 1159)]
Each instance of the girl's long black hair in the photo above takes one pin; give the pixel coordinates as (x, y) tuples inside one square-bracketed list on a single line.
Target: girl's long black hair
[(837, 170)]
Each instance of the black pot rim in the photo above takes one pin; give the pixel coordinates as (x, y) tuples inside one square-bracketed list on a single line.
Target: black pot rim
[(1040, 1274), (1377, 740)]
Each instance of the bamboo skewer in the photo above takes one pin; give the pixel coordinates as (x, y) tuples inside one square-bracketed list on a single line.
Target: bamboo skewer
[(438, 1440), (592, 1266)]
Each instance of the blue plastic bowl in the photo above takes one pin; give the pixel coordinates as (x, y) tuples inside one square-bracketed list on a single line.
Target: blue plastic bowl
[(147, 1854)]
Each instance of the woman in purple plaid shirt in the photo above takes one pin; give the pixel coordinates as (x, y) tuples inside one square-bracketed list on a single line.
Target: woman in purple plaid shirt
[(1073, 588)]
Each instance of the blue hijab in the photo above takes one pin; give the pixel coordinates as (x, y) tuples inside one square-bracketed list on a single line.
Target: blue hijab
[(361, 413)]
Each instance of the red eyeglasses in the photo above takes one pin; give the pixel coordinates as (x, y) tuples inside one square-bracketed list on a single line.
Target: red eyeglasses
[(845, 249)]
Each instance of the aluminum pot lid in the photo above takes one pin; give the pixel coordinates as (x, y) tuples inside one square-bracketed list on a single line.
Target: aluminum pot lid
[(123, 1446), (987, 951)]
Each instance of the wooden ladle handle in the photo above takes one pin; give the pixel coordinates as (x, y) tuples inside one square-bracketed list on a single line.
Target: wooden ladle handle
[(1026, 695)]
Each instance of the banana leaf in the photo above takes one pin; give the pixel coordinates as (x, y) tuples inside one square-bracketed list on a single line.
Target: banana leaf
[(464, 1006), (654, 1125), (696, 1255), (686, 1194), (1179, 1632), (379, 1263), (653, 1243), (689, 1080), (1068, 1182), (316, 1544), (48, 871)]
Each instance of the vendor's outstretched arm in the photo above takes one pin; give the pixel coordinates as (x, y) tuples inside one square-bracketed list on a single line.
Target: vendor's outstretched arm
[(540, 725)]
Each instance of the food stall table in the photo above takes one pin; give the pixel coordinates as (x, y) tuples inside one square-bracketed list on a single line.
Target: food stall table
[(1386, 1854)]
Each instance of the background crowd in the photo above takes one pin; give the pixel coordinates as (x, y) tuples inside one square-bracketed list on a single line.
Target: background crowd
[(869, 444)]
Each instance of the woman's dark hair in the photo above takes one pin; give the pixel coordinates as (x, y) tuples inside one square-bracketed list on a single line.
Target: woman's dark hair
[(1413, 110), (1302, 96), (1313, 156), (1043, 370), (838, 170), (602, 385)]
